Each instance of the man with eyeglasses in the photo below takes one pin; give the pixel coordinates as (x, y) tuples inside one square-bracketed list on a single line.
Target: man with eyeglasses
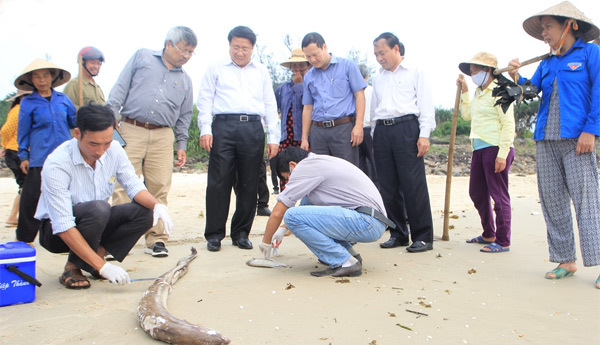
[(154, 96), (235, 95)]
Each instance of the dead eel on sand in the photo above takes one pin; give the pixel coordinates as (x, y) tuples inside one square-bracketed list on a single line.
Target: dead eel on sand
[(160, 324)]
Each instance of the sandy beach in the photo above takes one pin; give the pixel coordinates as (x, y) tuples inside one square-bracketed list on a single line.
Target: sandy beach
[(460, 295)]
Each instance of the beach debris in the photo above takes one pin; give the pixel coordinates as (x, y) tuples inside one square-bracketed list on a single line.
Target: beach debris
[(343, 281), (417, 312), (402, 326), (392, 314), (438, 255), (268, 263), (373, 342), (471, 271), (426, 305), (289, 286), (156, 320)]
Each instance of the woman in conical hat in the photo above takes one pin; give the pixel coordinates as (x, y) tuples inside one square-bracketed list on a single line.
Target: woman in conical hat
[(568, 122), (44, 121), (492, 136)]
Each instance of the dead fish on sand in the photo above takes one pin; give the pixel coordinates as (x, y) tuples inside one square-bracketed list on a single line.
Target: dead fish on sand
[(160, 324), (269, 263)]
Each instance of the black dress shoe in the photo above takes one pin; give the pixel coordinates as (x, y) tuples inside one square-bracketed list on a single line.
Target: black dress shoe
[(393, 242), (243, 243), (420, 246), (263, 211), (350, 271), (213, 245)]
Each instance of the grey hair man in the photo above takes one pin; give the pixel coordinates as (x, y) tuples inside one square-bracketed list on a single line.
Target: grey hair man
[(154, 97)]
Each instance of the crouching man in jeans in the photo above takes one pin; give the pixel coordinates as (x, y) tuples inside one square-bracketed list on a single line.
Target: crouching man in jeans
[(340, 205), (77, 180)]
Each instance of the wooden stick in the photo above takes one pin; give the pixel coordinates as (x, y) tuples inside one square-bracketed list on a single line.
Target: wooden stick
[(524, 63), (445, 235), (80, 86), (416, 312)]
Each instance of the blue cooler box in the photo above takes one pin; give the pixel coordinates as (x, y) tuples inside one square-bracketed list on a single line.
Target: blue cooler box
[(14, 287)]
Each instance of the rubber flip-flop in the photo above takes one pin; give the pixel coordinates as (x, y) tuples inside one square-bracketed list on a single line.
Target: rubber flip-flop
[(479, 239), (69, 277), (494, 248), (598, 283), (560, 273), (10, 225)]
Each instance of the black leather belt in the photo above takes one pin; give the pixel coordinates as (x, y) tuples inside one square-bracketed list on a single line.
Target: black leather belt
[(237, 117), (397, 120), (377, 215)]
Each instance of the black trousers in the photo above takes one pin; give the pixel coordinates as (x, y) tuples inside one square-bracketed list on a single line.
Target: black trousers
[(28, 226), (402, 180), (274, 179), (263, 189), (116, 228), (366, 159), (237, 151), (11, 158)]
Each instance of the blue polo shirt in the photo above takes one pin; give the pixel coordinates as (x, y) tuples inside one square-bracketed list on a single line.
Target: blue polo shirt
[(331, 91), (578, 77)]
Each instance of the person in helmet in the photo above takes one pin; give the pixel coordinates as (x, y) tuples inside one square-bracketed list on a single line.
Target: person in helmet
[(84, 90)]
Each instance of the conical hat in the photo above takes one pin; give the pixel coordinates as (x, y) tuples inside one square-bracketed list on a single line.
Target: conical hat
[(482, 59), (59, 77), (565, 9)]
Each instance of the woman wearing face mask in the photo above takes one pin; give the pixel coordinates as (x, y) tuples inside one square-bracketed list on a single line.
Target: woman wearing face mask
[(492, 135), (568, 122)]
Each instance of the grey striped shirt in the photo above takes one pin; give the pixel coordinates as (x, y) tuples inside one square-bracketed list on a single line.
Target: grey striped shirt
[(68, 180)]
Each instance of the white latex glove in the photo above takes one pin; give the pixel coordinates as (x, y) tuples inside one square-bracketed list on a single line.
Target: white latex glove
[(278, 237), (162, 212), (115, 274), (265, 249)]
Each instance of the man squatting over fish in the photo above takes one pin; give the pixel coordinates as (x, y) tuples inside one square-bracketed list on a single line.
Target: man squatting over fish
[(339, 205)]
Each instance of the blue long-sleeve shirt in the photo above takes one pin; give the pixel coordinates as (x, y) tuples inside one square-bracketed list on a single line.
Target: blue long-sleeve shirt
[(578, 77), (43, 126), (289, 94)]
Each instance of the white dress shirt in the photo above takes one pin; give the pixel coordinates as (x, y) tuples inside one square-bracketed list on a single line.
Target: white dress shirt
[(401, 92), (228, 89), (68, 180)]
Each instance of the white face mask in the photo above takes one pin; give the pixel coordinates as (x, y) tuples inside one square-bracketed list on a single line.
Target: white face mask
[(481, 78)]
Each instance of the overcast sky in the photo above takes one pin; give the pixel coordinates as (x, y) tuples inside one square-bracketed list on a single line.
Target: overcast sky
[(437, 34)]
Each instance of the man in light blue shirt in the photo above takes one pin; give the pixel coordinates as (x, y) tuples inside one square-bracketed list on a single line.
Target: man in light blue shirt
[(77, 180), (334, 102)]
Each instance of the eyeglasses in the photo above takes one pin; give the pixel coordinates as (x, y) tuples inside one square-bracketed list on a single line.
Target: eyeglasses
[(183, 51), (244, 50)]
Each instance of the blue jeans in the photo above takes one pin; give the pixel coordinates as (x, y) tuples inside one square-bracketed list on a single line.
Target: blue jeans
[(328, 230)]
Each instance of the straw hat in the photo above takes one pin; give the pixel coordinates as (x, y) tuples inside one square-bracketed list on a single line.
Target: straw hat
[(587, 30), (482, 59), (17, 95), (297, 56), (60, 76)]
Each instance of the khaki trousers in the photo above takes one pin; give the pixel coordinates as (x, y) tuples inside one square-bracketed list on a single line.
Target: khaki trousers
[(151, 154)]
